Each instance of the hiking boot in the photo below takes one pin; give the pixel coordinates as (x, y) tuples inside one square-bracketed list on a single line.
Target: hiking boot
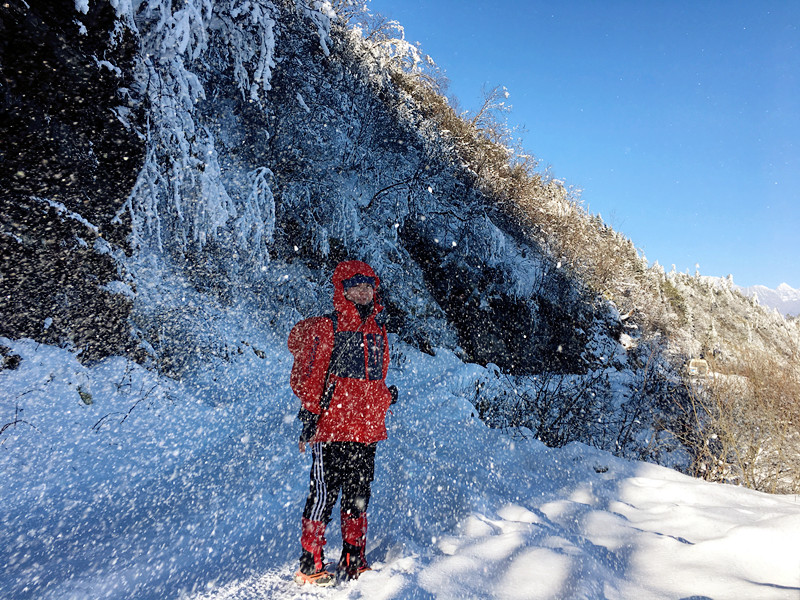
[(352, 563), (320, 578)]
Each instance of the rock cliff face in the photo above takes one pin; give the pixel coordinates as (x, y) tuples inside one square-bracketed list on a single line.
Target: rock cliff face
[(67, 164)]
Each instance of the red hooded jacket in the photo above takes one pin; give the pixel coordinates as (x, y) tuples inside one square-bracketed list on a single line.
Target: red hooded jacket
[(357, 408)]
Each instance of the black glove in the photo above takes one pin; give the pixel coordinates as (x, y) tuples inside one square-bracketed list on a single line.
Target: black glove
[(309, 421), (393, 391)]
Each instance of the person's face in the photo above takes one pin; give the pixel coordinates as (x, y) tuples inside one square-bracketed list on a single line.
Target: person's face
[(360, 294)]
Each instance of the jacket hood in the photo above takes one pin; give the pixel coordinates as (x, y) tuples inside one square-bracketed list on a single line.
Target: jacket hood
[(346, 270)]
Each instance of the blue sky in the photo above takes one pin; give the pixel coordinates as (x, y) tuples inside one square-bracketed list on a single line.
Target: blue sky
[(679, 121)]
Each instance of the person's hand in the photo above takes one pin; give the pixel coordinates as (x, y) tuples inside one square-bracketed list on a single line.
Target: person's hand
[(393, 391), (309, 421)]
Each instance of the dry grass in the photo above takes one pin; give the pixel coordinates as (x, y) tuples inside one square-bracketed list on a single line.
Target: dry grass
[(743, 427)]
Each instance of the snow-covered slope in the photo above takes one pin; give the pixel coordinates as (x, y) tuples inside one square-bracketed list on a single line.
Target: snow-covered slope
[(272, 144), (121, 484), (785, 299)]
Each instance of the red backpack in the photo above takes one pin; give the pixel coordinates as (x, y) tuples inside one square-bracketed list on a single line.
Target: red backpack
[(310, 350)]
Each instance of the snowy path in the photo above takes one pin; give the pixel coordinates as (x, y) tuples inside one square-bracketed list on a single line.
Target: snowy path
[(493, 517), (184, 500)]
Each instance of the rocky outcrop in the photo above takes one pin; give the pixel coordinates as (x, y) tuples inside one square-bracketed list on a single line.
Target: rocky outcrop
[(67, 164)]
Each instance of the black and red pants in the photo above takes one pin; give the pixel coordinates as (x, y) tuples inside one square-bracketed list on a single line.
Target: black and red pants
[(345, 468)]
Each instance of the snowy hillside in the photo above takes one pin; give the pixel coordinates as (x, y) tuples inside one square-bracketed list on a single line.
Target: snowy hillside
[(785, 299), (274, 142), (161, 237), (121, 484)]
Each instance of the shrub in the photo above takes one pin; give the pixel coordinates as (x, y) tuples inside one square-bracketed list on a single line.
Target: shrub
[(742, 427)]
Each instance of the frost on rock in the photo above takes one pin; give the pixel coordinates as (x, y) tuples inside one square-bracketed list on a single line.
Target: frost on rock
[(202, 214)]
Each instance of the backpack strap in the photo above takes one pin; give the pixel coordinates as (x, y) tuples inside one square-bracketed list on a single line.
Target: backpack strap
[(334, 319), (327, 391)]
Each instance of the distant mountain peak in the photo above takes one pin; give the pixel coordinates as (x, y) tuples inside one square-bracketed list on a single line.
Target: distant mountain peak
[(785, 299)]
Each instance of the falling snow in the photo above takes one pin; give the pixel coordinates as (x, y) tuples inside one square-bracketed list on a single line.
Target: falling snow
[(178, 476)]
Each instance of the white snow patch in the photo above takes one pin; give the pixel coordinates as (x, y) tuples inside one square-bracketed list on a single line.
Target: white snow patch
[(119, 287)]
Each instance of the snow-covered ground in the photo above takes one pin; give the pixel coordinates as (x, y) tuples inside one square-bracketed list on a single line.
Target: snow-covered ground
[(120, 484)]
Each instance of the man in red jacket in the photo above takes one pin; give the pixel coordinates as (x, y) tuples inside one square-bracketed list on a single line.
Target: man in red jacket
[(339, 374)]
